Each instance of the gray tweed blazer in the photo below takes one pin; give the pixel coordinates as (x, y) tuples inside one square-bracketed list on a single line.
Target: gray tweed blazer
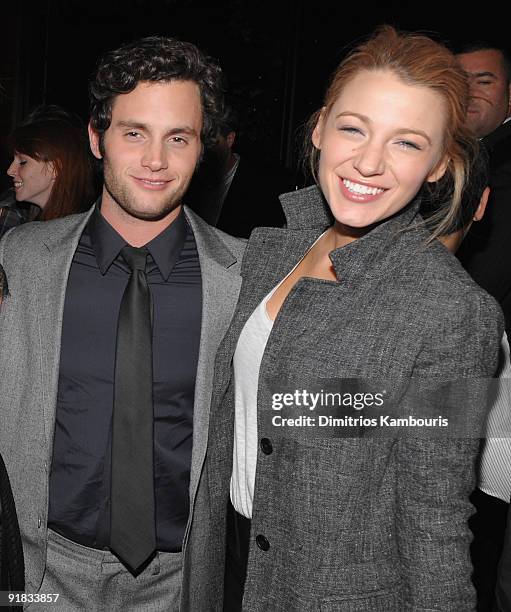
[(360, 525)]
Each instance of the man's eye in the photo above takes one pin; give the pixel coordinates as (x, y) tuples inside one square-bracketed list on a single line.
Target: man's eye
[(133, 134), (178, 140), (484, 82)]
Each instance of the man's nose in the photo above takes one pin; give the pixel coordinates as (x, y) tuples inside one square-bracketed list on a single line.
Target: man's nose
[(155, 157)]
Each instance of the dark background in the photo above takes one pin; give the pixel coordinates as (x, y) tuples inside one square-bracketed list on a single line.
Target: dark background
[(276, 54)]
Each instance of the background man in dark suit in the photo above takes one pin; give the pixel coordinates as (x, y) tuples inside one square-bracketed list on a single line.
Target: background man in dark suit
[(235, 193), (486, 255), (486, 251)]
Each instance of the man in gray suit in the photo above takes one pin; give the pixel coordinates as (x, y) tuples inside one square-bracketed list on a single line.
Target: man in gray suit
[(137, 287)]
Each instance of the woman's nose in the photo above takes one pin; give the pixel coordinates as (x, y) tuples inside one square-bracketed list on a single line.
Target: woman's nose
[(11, 170), (370, 160)]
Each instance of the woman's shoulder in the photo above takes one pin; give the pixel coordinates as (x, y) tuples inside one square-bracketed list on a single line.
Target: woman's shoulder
[(439, 275), (459, 318), (453, 310)]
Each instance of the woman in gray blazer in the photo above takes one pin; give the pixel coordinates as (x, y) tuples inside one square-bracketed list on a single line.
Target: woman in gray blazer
[(355, 287)]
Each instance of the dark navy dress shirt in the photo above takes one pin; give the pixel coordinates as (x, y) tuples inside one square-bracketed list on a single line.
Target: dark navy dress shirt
[(81, 467)]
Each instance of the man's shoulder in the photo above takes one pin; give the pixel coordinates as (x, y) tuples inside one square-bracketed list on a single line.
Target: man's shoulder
[(236, 246), (498, 144), (497, 136), (28, 235)]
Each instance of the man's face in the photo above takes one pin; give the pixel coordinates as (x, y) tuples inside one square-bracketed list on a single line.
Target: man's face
[(489, 90), (151, 149)]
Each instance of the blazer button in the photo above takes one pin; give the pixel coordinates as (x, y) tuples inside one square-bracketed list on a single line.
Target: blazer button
[(266, 446), (262, 542), (39, 521)]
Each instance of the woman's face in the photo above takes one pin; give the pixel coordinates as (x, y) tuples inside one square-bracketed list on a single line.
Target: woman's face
[(380, 141), (33, 179)]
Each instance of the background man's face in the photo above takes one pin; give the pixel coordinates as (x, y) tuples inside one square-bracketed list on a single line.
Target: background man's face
[(151, 148), (489, 90)]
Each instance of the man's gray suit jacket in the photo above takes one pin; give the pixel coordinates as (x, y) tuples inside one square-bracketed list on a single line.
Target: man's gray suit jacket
[(37, 259)]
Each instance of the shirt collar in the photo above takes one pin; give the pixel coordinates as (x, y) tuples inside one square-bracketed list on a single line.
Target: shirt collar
[(164, 249)]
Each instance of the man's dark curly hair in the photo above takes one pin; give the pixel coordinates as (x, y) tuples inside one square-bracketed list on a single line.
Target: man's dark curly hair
[(156, 59)]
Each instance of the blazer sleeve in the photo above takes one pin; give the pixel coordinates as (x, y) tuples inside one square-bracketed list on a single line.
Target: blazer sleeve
[(435, 476)]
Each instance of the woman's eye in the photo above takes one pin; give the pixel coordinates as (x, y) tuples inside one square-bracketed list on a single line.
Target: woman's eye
[(408, 144), (22, 162), (350, 130)]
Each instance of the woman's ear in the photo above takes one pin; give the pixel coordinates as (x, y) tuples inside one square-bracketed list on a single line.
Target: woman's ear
[(318, 130), (52, 168), (438, 171)]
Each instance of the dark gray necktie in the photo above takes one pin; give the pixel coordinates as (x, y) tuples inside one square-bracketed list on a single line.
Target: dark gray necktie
[(132, 530)]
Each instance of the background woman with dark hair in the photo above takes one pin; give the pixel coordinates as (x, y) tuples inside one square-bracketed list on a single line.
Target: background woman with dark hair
[(51, 166)]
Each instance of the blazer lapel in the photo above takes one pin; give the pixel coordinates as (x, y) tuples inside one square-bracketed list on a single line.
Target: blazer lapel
[(57, 255), (220, 288), (273, 252)]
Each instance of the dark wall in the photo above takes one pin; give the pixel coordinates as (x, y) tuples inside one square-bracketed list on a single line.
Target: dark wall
[(277, 54)]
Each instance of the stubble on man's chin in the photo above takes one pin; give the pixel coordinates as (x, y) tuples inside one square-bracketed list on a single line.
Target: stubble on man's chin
[(127, 203)]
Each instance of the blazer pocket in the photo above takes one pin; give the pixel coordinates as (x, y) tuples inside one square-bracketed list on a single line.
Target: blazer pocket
[(383, 601)]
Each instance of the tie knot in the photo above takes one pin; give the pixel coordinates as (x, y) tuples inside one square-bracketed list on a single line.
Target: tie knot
[(135, 257)]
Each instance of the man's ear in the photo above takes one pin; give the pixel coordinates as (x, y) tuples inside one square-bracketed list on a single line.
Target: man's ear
[(318, 129), (438, 171), (94, 139), (481, 208), (509, 103)]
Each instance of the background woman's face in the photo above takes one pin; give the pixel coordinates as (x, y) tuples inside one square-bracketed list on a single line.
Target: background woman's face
[(380, 141), (33, 180)]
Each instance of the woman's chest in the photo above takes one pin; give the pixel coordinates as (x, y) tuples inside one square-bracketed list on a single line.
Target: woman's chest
[(330, 329)]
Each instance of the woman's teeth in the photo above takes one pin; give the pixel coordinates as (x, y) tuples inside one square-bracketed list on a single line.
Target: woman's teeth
[(361, 189)]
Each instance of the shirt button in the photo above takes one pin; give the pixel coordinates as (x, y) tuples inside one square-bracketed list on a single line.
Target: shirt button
[(39, 521), (262, 542), (266, 446)]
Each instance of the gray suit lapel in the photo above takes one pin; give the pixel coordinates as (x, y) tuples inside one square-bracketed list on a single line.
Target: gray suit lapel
[(57, 255), (220, 287)]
